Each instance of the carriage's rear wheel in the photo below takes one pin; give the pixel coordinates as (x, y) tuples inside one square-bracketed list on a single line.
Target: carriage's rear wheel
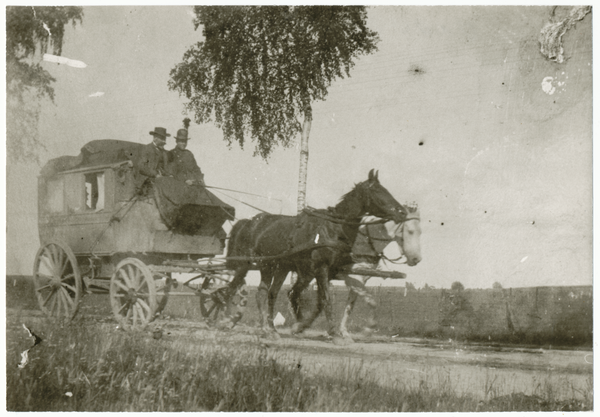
[(219, 306), (57, 281), (133, 294)]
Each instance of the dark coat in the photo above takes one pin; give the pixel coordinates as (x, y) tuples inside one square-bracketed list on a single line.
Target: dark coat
[(183, 166), (150, 162)]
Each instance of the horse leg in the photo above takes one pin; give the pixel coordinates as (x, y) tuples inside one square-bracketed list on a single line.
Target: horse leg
[(266, 278), (294, 297), (326, 298), (371, 322), (352, 296), (223, 296), (356, 284), (324, 302), (278, 279)]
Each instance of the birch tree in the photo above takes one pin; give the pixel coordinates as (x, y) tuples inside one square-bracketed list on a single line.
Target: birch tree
[(30, 32), (259, 69)]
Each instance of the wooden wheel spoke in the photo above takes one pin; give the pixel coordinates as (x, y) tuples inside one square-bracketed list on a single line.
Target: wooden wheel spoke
[(47, 261), (140, 313), (58, 259), (120, 285), (48, 298), (143, 304), (64, 304), (131, 282), (65, 285), (125, 304), (52, 251), (134, 315), (52, 305), (59, 304), (65, 262), (211, 309), (125, 278), (68, 276), (43, 288), (48, 277), (142, 283), (132, 275), (67, 297), (139, 277)]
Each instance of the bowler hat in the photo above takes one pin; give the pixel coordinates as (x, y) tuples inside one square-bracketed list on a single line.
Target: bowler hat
[(160, 131), (182, 134)]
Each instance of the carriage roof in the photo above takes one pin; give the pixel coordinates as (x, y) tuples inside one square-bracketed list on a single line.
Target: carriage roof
[(80, 196), (94, 154)]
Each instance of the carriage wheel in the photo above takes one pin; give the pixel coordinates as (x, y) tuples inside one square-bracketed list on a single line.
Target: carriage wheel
[(57, 281), (220, 308), (133, 294)]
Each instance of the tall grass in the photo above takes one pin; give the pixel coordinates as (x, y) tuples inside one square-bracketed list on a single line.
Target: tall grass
[(91, 367)]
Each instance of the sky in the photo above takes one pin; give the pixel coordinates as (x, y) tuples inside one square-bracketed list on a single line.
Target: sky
[(458, 110)]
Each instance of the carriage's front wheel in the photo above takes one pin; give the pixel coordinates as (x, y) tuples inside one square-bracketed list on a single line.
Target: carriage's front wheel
[(220, 305), (133, 294), (57, 281)]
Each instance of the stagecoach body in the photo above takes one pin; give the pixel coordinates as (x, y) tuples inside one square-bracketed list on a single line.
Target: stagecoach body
[(92, 222)]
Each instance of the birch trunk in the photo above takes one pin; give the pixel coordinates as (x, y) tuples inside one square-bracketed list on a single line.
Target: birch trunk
[(304, 158)]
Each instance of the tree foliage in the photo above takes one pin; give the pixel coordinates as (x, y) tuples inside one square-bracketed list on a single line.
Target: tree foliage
[(260, 67), (30, 32), (457, 286)]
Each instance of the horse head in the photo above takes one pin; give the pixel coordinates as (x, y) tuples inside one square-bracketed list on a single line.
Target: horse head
[(378, 201), (408, 235)]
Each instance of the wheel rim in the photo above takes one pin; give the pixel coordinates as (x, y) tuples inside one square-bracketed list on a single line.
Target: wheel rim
[(209, 305), (133, 294), (217, 307), (57, 281)]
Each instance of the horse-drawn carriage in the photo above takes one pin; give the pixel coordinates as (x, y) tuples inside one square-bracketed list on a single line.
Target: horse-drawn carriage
[(99, 233)]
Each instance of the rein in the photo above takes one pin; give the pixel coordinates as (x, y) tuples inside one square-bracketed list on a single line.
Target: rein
[(370, 239), (381, 254), (338, 220)]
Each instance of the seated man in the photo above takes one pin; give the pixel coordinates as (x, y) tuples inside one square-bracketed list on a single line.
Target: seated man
[(152, 160), (182, 164)]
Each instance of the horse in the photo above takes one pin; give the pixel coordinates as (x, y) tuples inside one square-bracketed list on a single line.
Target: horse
[(310, 243), (367, 252)]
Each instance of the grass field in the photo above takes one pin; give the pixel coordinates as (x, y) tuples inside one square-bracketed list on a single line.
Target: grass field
[(89, 366)]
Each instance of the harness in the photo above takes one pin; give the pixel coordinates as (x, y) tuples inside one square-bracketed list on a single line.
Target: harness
[(370, 239)]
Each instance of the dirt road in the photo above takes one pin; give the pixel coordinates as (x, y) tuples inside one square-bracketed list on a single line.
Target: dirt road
[(474, 369)]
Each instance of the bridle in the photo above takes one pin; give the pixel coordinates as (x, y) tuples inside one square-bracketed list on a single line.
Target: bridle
[(398, 230)]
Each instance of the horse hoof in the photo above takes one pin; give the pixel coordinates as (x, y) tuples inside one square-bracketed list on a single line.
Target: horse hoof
[(368, 331), (270, 334), (342, 341), (273, 336), (297, 328)]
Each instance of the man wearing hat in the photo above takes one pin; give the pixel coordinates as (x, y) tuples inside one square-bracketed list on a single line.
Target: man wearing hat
[(182, 164), (152, 160)]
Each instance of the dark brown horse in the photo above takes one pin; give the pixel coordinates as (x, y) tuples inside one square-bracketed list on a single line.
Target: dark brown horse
[(312, 244)]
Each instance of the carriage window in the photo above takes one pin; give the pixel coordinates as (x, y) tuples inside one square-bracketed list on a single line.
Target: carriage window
[(55, 195), (94, 191)]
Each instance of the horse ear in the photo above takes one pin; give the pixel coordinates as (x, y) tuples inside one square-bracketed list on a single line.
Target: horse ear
[(377, 175), (372, 174)]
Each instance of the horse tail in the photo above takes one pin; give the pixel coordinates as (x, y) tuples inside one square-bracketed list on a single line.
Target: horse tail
[(239, 244)]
